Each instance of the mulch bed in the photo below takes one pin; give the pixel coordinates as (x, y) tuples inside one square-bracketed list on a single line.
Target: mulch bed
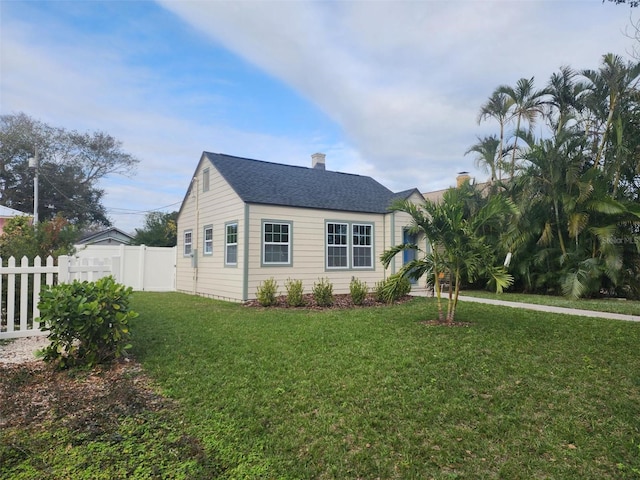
[(33, 393), (340, 301)]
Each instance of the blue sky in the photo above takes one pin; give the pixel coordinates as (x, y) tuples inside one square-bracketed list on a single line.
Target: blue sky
[(389, 89)]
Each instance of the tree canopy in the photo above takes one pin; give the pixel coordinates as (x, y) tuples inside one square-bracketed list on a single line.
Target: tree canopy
[(71, 165), (159, 230), (577, 185)]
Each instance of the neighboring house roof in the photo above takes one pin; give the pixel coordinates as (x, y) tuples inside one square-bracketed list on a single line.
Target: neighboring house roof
[(110, 235), (257, 181), (7, 212)]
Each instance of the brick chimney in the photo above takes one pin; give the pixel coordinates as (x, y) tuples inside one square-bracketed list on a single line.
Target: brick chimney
[(317, 161), (461, 178)]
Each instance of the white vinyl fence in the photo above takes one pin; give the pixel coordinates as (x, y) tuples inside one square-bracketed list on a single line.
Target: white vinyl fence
[(150, 269), (142, 268), (20, 288)]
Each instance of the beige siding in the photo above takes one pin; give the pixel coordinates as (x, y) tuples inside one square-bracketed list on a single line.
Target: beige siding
[(221, 205), (217, 207), (309, 245)]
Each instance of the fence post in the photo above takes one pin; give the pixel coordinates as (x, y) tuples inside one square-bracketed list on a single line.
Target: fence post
[(37, 280), (11, 296), (24, 292), (141, 261), (63, 269)]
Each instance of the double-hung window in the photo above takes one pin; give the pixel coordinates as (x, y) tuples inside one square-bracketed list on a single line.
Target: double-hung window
[(276, 243), (207, 247), (188, 243), (361, 245), (349, 245), (337, 245), (231, 244)]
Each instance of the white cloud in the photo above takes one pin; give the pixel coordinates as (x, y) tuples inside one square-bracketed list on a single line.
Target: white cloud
[(405, 79)]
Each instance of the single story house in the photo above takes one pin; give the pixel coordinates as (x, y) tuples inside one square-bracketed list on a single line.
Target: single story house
[(6, 213), (243, 221), (110, 236)]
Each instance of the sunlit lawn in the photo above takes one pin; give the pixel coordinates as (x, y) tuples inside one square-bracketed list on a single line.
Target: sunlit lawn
[(373, 393)]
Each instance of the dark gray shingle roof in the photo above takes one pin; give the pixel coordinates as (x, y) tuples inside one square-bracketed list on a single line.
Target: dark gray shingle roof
[(257, 181)]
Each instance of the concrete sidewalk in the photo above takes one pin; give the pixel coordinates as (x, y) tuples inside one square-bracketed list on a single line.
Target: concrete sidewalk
[(542, 308)]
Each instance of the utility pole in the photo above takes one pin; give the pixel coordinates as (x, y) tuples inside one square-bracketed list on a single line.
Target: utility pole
[(34, 163)]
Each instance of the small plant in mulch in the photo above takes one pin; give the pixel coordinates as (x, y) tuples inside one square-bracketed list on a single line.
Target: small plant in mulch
[(340, 301)]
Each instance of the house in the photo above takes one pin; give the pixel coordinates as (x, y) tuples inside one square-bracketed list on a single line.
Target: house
[(244, 221), (461, 178), (6, 213), (110, 236)]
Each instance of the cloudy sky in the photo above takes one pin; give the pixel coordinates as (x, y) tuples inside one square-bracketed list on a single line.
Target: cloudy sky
[(389, 89)]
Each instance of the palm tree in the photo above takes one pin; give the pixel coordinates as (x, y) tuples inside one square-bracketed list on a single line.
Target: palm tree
[(564, 103), (457, 247), (526, 103), (498, 107), (487, 155), (610, 90)]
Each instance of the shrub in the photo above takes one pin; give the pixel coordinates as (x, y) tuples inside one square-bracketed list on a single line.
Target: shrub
[(267, 292), (359, 290), (393, 288), (323, 292), (88, 322), (295, 292)]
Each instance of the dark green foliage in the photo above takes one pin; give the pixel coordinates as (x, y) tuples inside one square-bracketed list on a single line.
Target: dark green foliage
[(88, 322), (267, 292), (71, 164), (295, 292), (160, 230), (52, 237), (358, 290), (323, 292), (392, 289)]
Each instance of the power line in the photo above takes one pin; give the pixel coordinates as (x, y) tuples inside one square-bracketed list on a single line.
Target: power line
[(127, 211)]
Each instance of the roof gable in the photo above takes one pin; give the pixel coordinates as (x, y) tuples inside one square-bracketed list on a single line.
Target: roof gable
[(257, 181)]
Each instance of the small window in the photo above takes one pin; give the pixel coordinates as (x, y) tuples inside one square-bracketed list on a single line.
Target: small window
[(208, 240), (188, 237), (337, 245), (362, 246), (276, 245), (231, 244), (205, 180)]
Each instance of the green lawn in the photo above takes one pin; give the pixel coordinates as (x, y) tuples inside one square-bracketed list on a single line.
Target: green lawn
[(613, 305), (373, 393)]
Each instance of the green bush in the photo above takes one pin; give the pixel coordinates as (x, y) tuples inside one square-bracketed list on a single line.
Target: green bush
[(358, 290), (393, 288), (323, 292), (267, 292), (295, 292), (88, 322)]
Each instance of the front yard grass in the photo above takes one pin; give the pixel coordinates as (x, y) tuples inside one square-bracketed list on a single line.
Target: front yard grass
[(368, 393), (374, 393)]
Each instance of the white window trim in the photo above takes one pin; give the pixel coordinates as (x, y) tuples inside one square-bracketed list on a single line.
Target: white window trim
[(370, 247), (227, 244), (346, 246), (349, 246), (205, 242), (189, 243), (265, 243)]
